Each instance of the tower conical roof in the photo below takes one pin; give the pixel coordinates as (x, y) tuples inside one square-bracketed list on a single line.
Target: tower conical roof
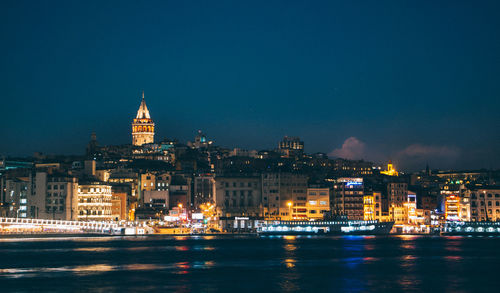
[(143, 112)]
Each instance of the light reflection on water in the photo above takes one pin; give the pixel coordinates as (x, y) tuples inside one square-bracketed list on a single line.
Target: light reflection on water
[(179, 267), (289, 277), (354, 263), (94, 249)]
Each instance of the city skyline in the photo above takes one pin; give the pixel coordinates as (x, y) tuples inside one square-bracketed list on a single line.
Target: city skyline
[(249, 146), (418, 88)]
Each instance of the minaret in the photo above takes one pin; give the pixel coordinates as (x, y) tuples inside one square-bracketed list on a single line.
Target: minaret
[(143, 127)]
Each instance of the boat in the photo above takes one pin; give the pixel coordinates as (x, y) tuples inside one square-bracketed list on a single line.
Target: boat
[(336, 227), (471, 228)]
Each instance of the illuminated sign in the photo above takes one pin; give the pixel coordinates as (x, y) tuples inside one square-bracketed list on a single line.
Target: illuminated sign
[(197, 216), (353, 183)]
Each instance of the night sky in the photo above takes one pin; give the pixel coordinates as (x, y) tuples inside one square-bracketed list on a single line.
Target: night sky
[(413, 81)]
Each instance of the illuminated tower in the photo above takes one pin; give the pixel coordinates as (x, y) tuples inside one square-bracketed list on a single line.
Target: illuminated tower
[(143, 127), (390, 170)]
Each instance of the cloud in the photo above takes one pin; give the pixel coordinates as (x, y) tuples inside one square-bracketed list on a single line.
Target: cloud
[(352, 148), (423, 151), (416, 156)]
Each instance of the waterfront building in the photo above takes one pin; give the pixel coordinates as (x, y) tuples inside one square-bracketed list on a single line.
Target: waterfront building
[(154, 205), (397, 192), (204, 190), (452, 207), (377, 200), (180, 191), (369, 206), (238, 196), (411, 208), (54, 196), (94, 202), (14, 197), (348, 194), (284, 196), (417, 220), (143, 127), (118, 205), (485, 203), (318, 202)]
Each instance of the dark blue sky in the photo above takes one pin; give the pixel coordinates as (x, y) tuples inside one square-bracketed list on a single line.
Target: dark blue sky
[(415, 81)]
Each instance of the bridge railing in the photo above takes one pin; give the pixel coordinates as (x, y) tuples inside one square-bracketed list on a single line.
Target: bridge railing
[(59, 223)]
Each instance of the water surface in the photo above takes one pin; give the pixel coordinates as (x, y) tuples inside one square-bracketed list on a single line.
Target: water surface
[(250, 264)]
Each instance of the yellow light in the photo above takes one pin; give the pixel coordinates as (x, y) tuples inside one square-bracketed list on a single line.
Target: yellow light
[(180, 205), (289, 204)]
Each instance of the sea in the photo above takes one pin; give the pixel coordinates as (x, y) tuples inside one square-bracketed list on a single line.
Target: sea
[(248, 263)]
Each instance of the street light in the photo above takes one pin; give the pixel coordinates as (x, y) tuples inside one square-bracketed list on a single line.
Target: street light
[(289, 204)]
